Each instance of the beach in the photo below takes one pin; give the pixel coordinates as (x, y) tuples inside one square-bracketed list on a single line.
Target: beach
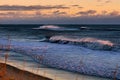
[(27, 64), (59, 40), (14, 73)]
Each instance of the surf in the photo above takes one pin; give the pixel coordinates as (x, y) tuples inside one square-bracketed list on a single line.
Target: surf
[(88, 42), (54, 27), (68, 57)]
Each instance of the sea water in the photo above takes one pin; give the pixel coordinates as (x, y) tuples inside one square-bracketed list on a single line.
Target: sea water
[(87, 49)]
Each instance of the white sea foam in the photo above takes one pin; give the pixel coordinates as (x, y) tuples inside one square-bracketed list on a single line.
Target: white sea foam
[(69, 57), (84, 27), (53, 27), (49, 27), (92, 43)]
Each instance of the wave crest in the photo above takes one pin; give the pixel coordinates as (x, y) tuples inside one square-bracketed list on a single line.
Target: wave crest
[(48, 27), (53, 27), (92, 43)]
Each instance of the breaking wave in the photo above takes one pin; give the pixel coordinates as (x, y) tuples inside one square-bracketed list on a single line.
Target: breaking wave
[(91, 43), (53, 27), (68, 57)]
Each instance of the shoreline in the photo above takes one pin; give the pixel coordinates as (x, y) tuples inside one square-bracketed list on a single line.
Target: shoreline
[(12, 69), (15, 73), (27, 63), (17, 60)]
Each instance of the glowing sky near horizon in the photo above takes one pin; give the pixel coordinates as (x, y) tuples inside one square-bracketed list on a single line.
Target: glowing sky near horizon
[(34, 9)]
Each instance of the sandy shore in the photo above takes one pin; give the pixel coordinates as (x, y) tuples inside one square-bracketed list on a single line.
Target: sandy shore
[(13, 73), (24, 62)]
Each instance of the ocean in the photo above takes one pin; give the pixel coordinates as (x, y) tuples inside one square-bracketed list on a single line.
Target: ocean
[(87, 49)]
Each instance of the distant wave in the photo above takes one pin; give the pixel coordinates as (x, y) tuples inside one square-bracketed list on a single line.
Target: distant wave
[(99, 28), (84, 28), (53, 27), (92, 43)]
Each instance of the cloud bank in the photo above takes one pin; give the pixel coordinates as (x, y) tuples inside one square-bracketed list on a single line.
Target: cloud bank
[(34, 7), (98, 19), (89, 12), (16, 14)]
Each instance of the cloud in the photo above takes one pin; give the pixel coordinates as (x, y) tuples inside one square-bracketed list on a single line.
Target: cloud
[(58, 17), (75, 5), (89, 12), (38, 13), (9, 13), (109, 14), (114, 13), (65, 20), (15, 14), (104, 12), (80, 7), (99, 0), (34, 7), (20, 14), (108, 1), (58, 12), (103, 2)]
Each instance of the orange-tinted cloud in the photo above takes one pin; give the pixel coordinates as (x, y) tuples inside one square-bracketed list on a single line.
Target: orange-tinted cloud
[(34, 7), (108, 1), (114, 13), (89, 12), (75, 5), (63, 11), (59, 12)]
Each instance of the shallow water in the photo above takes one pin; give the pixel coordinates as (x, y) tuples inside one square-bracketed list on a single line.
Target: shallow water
[(27, 63)]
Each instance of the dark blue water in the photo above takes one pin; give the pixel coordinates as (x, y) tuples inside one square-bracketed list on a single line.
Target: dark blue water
[(108, 35), (87, 49)]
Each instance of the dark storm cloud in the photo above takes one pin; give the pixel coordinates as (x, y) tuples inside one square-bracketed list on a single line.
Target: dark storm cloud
[(89, 12), (35, 7)]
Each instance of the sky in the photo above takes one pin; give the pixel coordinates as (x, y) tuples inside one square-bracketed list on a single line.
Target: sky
[(59, 11)]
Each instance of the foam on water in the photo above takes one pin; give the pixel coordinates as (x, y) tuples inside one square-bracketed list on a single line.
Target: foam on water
[(69, 57), (89, 42), (48, 27), (96, 51), (53, 27)]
